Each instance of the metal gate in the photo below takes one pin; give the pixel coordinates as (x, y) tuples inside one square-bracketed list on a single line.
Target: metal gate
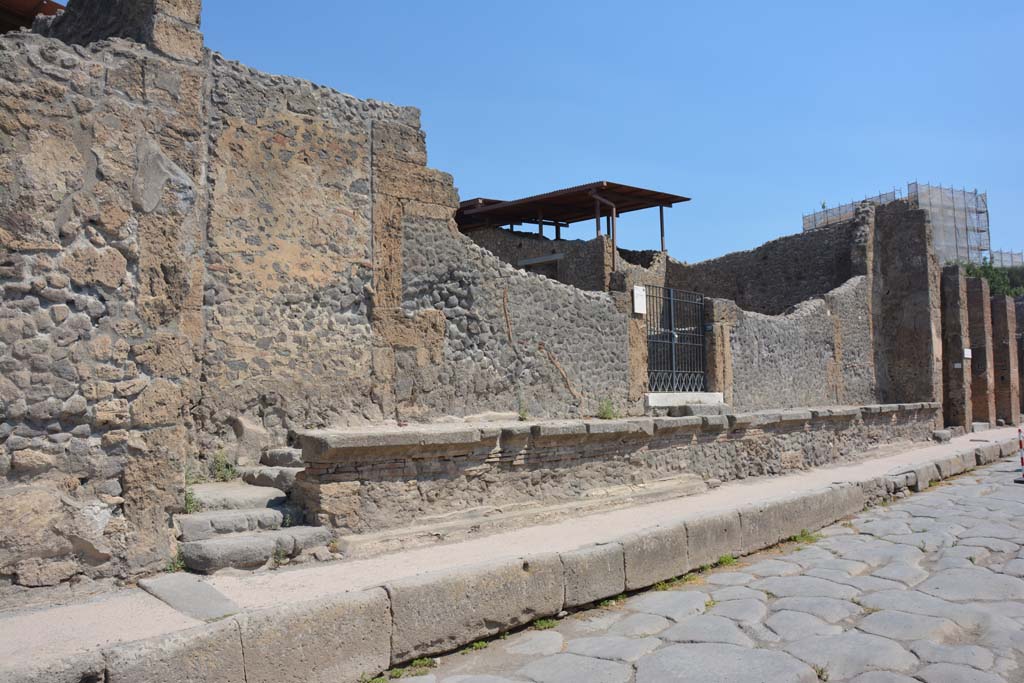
[(675, 340)]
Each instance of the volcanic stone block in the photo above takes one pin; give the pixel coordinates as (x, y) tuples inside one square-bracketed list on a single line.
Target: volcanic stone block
[(338, 638), (439, 611), (206, 653), (654, 555), (593, 573), (956, 379), (711, 536)]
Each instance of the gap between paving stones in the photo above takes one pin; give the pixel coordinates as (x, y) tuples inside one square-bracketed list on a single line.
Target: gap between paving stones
[(349, 636)]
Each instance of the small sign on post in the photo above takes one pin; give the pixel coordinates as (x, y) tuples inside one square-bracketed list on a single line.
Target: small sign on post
[(639, 299)]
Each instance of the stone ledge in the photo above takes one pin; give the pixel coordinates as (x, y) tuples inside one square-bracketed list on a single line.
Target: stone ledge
[(441, 611)]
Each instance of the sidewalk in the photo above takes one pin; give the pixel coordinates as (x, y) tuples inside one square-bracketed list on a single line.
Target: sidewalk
[(38, 638)]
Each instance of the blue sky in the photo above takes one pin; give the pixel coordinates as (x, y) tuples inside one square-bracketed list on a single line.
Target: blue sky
[(758, 111)]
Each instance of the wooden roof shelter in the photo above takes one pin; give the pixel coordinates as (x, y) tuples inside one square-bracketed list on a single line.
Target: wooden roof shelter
[(564, 207)]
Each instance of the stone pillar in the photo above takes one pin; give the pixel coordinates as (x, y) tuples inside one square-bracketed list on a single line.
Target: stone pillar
[(1004, 347), (719, 319), (956, 369), (979, 314)]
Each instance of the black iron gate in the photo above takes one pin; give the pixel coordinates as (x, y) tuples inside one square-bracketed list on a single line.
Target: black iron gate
[(675, 340)]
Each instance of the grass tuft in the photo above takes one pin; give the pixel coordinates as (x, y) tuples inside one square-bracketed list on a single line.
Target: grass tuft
[(545, 624), (804, 536)]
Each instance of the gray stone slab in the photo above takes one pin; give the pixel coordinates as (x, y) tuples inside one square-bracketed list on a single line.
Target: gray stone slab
[(334, 638), (707, 629), (804, 586), (472, 678), (721, 663), (613, 647), (672, 604), (973, 584), (746, 611), (956, 673), (883, 677), (737, 593), (440, 611), (212, 652), (593, 573), (728, 579), (235, 495), (536, 643), (639, 625), (571, 668), (793, 625), (87, 667), (904, 572), (849, 654), (766, 568), (968, 655), (906, 626), (827, 609), (190, 595)]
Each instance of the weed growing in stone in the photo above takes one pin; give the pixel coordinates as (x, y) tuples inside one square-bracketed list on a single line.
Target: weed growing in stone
[(417, 667), (176, 563), (612, 602), (692, 577), (709, 604), (545, 624), (804, 536), (821, 672), (725, 561), (280, 557), (221, 469), (191, 503), (605, 410), (473, 647)]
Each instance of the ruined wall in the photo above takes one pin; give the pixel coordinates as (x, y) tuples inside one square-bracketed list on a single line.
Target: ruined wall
[(585, 263), (783, 272), (979, 315), (820, 353), (1007, 374), (102, 162), (956, 367)]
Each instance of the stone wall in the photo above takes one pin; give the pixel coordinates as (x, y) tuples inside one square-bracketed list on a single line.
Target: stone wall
[(368, 481), (199, 257), (819, 353), (585, 264), (783, 272), (102, 163)]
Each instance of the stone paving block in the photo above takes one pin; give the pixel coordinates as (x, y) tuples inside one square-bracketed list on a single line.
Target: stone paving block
[(331, 639), (849, 654), (924, 475), (440, 611), (564, 668), (593, 573), (207, 653), (707, 628), (613, 647), (793, 625), (710, 536), (190, 595), (956, 673), (654, 555), (721, 663), (988, 453), (675, 605), (897, 625), (765, 524), (746, 611)]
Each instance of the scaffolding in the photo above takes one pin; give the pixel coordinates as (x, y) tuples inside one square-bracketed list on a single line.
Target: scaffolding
[(1007, 259), (959, 218)]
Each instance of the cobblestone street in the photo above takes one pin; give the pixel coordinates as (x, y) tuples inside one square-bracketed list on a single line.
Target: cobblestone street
[(926, 589)]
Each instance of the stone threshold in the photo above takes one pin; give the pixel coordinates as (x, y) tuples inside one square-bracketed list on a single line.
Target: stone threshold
[(388, 620)]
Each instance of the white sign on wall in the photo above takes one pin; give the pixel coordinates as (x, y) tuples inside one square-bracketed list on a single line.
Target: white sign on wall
[(639, 299), (968, 353)]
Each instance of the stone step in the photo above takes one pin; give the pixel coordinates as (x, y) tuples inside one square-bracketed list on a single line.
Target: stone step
[(254, 549), (282, 478), (203, 525), (236, 495), (283, 457)]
